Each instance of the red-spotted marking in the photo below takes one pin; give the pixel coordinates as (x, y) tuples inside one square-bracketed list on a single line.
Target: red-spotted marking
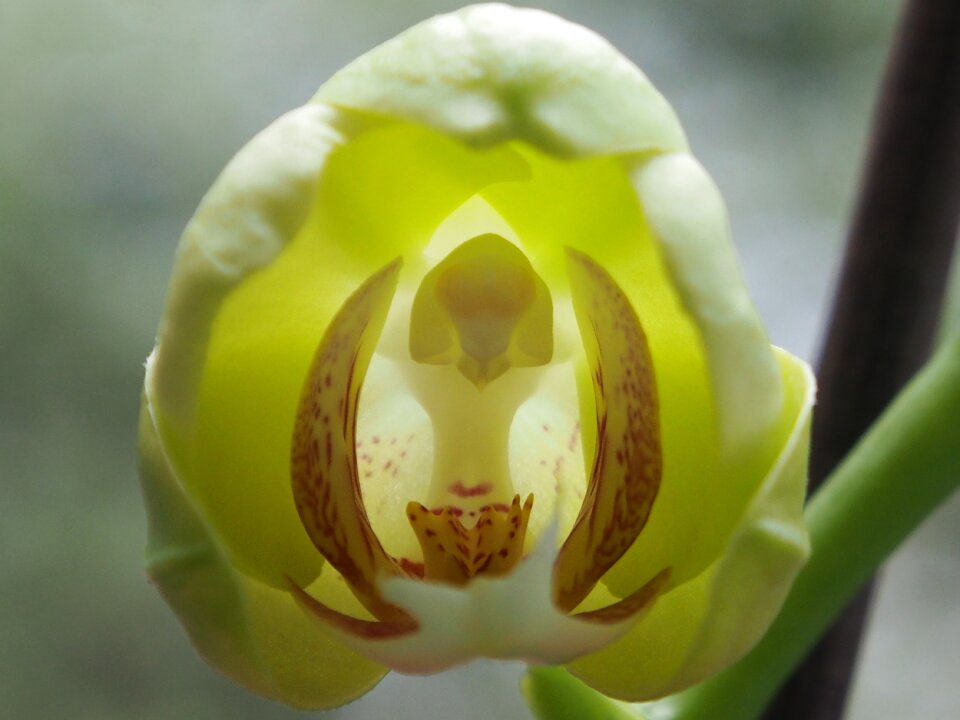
[(461, 490), (323, 461), (627, 466), (454, 553)]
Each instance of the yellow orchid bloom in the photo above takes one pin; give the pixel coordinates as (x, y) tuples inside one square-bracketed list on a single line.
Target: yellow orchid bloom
[(574, 443)]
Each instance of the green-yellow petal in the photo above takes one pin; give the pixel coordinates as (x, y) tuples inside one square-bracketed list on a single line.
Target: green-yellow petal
[(710, 472), (246, 219), (492, 73), (291, 227), (708, 623), (253, 633)]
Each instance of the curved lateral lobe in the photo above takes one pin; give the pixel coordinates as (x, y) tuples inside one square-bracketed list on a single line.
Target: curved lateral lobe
[(368, 629), (628, 463), (323, 462), (632, 605)]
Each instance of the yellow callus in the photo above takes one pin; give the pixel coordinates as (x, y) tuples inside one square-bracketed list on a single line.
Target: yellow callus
[(454, 551)]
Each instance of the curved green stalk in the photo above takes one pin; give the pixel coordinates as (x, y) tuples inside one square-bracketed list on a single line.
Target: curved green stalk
[(902, 469), (554, 694)]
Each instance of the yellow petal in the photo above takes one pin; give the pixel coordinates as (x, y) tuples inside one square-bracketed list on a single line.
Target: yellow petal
[(268, 258), (689, 219), (627, 464), (251, 632), (591, 206), (248, 217), (708, 623), (323, 465)]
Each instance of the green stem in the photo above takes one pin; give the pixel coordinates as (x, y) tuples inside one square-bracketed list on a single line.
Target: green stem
[(554, 694), (889, 295), (903, 468)]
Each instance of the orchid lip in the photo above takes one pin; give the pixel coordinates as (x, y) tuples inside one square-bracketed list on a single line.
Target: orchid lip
[(476, 530)]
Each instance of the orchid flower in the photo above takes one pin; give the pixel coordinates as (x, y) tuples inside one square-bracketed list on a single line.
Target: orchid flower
[(457, 362)]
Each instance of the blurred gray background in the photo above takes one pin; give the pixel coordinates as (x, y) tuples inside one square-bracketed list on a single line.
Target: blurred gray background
[(115, 116)]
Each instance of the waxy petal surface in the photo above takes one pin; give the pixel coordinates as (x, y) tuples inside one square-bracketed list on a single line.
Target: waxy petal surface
[(627, 464), (266, 261), (323, 465), (493, 73), (706, 624), (255, 634)]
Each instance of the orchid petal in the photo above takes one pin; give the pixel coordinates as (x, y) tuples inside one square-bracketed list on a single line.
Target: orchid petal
[(708, 623), (323, 466), (511, 616), (254, 633), (226, 374), (491, 73), (628, 464)]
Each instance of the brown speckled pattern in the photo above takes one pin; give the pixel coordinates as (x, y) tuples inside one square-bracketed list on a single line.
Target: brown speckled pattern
[(323, 467), (454, 553), (627, 466)]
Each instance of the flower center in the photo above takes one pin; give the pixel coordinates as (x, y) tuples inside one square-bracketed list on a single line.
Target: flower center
[(469, 525)]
